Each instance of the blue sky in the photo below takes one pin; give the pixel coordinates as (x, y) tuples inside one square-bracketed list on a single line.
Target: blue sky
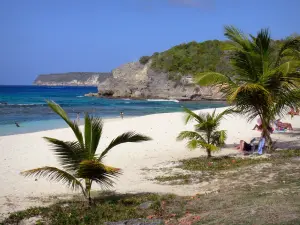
[(52, 36)]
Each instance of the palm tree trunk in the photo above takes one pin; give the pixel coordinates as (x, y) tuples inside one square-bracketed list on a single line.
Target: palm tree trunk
[(90, 199), (208, 153), (269, 143), (267, 135), (88, 185)]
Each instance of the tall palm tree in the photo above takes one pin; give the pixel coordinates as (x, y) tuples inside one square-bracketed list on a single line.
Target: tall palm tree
[(206, 134), (264, 78), (78, 158)]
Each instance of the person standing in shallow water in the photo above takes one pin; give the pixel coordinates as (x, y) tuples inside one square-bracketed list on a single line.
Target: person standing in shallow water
[(78, 119), (122, 115)]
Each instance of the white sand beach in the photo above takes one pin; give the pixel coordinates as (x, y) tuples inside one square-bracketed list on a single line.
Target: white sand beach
[(27, 151)]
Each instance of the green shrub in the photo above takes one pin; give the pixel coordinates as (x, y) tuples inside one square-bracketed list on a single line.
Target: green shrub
[(144, 59)]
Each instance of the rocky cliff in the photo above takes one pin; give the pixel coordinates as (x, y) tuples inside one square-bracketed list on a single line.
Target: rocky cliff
[(134, 80), (72, 79)]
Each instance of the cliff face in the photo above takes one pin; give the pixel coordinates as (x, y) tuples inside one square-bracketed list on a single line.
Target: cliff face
[(134, 80), (71, 79)]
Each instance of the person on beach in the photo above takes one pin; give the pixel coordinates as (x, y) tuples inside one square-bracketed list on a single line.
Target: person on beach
[(292, 112), (78, 119), (17, 125), (246, 148), (122, 115), (282, 126), (258, 126)]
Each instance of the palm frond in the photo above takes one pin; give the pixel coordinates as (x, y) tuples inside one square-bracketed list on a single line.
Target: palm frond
[(70, 154), (189, 135), (226, 112), (55, 174), (125, 138), (190, 115), (289, 67), (211, 78), (92, 131), (87, 134), (59, 111), (219, 138), (237, 36), (249, 89), (193, 144), (98, 172), (289, 45)]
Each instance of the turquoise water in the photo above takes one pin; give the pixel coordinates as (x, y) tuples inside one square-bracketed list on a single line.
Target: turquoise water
[(26, 106)]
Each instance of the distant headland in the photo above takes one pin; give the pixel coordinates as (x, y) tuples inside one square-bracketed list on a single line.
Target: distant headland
[(71, 79)]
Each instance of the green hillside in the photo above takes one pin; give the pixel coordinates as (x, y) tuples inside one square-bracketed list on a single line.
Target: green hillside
[(190, 58)]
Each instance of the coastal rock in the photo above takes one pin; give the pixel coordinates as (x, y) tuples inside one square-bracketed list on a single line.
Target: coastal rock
[(146, 205), (134, 80), (91, 95), (71, 79)]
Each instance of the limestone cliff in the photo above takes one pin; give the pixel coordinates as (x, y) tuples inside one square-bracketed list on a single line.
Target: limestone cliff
[(134, 80), (72, 79)]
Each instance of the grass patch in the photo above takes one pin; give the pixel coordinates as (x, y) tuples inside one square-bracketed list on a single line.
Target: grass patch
[(286, 153), (106, 208), (218, 163), (182, 178)]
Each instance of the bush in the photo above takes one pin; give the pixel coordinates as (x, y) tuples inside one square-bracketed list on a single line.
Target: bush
[(144, 59)]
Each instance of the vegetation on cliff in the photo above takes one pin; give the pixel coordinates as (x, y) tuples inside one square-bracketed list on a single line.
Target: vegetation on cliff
[(190, 58), (196, 57)]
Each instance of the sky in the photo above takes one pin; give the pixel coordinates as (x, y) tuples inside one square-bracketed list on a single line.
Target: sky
[(57, 36)]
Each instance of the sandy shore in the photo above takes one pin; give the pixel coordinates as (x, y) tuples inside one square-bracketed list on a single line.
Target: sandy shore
[(27, 151)]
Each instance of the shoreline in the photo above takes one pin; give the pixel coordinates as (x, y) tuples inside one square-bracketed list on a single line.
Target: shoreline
[(97, 95), (138, 161), (43, 125)]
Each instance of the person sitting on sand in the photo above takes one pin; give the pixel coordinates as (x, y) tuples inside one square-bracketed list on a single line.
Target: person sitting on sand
[(282, 126), (246, 148), (293, 113), (259, 127)]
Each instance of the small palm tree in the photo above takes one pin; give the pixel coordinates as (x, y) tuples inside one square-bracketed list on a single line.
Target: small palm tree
[(206, 134), (265, 76), (78, 158)]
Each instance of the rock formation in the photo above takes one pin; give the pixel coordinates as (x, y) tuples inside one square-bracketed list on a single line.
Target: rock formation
[(71, 79), (134, 80)]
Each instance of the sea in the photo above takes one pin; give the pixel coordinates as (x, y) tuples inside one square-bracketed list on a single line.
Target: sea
[(26, 105)]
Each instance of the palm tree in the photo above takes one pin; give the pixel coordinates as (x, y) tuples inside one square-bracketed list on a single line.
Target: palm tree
[(265, 76), (78, 158), (206, 134)]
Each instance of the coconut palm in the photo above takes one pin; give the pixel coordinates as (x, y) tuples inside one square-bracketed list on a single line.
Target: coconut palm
[(264, 78), (81, 165), (206, 134)]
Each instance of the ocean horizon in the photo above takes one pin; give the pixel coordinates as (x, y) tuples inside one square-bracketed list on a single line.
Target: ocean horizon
[(26, 105)]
